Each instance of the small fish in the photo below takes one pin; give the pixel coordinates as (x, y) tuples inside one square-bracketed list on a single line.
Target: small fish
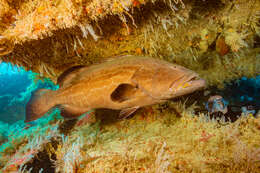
[(124, 83)]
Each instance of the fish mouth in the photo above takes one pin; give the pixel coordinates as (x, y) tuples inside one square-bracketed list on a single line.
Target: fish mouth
[(188, 84), (196, 82), (189, 81)]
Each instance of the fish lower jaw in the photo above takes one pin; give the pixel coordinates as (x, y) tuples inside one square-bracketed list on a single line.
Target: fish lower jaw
[(198, 84)]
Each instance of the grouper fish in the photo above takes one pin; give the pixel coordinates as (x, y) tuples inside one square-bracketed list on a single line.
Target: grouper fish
[(124, 83)]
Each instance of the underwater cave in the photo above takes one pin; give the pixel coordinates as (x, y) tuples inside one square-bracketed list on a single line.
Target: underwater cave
[(56, 44), (16, 86)]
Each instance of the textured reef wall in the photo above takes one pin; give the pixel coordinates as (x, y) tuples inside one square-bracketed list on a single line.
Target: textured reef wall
[(219, 39), (156, 140)]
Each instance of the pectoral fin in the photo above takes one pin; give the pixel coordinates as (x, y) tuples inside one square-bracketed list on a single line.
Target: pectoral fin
[(69, 111), (127, 112), (123, 93)]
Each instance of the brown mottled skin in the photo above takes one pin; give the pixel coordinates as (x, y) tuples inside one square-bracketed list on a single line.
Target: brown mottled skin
[(124, 82)]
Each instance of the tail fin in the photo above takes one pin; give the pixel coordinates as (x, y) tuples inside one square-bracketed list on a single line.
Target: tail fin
[(39, 104)]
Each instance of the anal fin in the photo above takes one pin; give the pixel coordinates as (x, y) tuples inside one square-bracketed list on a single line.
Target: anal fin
[(70, 111), (87, 118), (124, 113)]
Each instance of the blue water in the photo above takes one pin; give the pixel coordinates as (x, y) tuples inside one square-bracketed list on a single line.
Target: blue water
[(243, 91), (16, 86)]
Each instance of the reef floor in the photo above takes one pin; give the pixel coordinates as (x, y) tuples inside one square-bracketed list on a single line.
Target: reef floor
[(162, 138)]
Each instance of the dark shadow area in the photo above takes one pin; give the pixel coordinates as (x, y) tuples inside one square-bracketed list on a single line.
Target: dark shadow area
[(241, 92), (241, 95), (44, 160)]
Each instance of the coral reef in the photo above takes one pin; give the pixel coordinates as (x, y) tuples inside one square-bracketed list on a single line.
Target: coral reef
[(50, 36), (22, 144), (218, 39), (155, 140)]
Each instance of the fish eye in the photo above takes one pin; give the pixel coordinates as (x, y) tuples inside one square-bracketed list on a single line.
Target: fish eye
[(194, 78)]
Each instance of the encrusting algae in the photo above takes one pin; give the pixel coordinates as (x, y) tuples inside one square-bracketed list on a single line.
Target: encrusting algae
[(155, 140), (50, 36)]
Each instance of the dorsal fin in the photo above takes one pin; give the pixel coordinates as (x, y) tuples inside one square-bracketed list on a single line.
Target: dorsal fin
[(66, 78), (69, 75), (111, 58)]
